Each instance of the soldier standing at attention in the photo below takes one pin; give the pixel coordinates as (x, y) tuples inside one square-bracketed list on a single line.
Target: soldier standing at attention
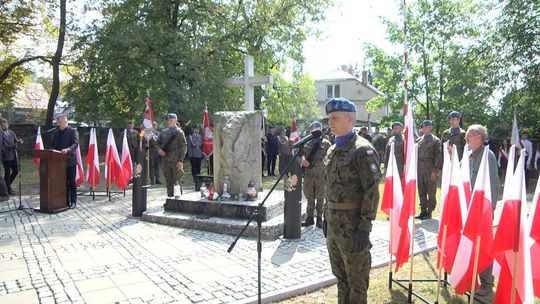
[(454, 135), (132, 139), (429, 162), (312, 156), (172, 148), (352, 193), (399, 147)]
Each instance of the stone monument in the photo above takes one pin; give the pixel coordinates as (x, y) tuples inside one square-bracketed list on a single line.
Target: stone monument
[(237, 150)]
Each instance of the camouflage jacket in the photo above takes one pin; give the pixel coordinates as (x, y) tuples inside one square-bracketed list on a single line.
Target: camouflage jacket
[(352, 176), (399, 152), (316, 163), (457, 139), (429, 153), (176, 150)]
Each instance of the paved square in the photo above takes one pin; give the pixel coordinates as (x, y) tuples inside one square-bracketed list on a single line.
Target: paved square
[(98, 253)]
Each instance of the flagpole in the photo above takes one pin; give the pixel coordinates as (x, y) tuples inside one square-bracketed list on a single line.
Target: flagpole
[(475, 268), (441, 264), (516, 250), (390, 250), (412, 259)]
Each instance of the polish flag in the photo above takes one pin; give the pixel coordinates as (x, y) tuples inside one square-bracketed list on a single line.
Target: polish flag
[(510, 243), (446, 172), (38, 145), (92, 161), (466, 174), (295, 136), (477, 233), (453, 214), (392, 203), (127, 165), (113, 167), (406, 213), (208, 137), (534, 239), (79, 177)]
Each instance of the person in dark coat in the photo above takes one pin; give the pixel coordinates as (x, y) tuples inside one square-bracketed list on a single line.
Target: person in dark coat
[(271, 151), (66, 141), (3, 189), (10, 158)]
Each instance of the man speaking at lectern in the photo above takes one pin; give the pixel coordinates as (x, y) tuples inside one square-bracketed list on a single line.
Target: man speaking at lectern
[(66, 140)]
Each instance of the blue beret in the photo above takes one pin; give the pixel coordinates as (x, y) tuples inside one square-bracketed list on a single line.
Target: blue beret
[(315, 125), (453, 114), (171, 116), (397, 124), (339, 105), (427, 122)]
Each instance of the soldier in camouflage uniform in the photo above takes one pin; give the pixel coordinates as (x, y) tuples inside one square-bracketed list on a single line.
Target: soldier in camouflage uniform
[(429, 162), (172, 148), (312, 156), (454, 135), (132, 136), (352, 193), (399, 147)]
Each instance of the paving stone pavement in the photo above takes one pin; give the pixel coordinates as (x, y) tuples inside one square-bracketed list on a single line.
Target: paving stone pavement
[(98, 253)]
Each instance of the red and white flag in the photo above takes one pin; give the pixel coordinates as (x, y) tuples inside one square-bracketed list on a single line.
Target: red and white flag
[(208, 136), (38, 145), (392, 203), (92, 161), (466, 174), (510, 243), (477, 233), (113, 167), (453, 214), (406, 216), (127, 165), (148, 118), (79, 176), (534, 239), (446, 172), (295, 136)]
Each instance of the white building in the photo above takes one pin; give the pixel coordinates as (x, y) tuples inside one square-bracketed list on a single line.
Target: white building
[(341, 83)]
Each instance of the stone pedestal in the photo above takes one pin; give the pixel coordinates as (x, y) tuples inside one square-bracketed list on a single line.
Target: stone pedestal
[(237, 150)]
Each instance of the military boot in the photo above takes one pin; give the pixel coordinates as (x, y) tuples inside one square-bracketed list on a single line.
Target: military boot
[(319, 221), (427, 216), (421, 215), (308, 222)]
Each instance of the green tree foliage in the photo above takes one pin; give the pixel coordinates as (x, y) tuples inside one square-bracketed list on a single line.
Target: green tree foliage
[(451, 66), (180, 52), (285, 98), (518, 36)]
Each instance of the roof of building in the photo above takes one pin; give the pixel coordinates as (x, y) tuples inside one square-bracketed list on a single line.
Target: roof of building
[(340, 75)]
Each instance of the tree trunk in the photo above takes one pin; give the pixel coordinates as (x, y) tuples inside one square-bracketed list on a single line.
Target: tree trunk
[(56, 66)]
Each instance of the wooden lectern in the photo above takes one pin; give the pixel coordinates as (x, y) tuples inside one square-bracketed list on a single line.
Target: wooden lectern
[(52, 181)]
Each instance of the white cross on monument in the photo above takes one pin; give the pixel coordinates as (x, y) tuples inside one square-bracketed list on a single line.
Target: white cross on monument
[(249, 82)]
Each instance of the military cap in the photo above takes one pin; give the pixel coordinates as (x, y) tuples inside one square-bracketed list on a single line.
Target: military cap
[(339, 105), (453, 114), (315, 125), (426, 122), (171, 116), (196, 126), (397, 124)]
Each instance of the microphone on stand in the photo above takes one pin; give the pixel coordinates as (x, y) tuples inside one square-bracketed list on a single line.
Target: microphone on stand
[(314, 134)]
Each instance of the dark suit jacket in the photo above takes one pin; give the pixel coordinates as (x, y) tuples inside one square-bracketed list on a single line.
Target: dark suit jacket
[(67, 139), (9, 143)]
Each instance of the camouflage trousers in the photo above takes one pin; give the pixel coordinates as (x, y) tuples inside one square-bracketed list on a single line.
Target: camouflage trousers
[(172, 175), (311, 207), (427, 189), (313, 186), (351, 267)]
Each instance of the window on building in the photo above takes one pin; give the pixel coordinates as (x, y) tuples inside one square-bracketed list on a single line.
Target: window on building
[(332, 91)]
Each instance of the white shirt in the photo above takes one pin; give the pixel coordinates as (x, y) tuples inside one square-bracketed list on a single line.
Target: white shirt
[(527, 145)]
